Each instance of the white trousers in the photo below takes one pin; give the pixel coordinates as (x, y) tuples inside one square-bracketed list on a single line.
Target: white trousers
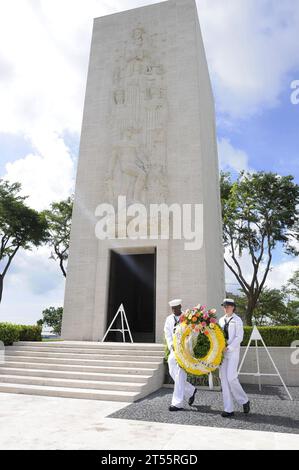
[(231, 387), (182, 388)]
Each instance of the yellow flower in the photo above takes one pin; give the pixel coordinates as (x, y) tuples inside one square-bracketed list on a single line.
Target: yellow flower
[(212, 325), (190, 316), (204, 365)]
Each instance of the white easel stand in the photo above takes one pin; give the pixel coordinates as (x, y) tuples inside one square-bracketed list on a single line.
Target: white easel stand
[(256, 336), (124, 321)]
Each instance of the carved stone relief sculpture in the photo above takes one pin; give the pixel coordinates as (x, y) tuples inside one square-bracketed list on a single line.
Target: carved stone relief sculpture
[(137, 160)]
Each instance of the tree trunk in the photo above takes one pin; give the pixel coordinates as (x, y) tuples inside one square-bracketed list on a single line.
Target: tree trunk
[(61, 266), (251, 304), (1, 286)]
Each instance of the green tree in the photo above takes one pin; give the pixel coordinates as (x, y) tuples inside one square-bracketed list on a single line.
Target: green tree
[(259, 210), (291, 290), (241, 302), (59, 219), (52, 317), (292, 285), (272, 308), (20, 226)]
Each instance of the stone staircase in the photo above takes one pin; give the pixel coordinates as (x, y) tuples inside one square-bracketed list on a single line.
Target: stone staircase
[(122, 372)]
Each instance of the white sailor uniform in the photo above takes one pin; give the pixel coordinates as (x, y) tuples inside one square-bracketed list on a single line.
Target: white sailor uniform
[(182, 388), (231, 387)]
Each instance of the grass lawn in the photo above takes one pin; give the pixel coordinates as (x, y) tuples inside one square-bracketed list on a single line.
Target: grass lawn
[(49, 339)]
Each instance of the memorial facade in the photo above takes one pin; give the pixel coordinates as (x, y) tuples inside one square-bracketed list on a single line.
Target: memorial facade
[(148, 136)]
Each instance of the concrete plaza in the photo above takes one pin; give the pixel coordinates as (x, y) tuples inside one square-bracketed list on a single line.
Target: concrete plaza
[(36, 422)]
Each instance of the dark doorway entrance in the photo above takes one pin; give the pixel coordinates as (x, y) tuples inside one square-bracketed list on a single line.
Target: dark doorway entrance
[(132, 282)]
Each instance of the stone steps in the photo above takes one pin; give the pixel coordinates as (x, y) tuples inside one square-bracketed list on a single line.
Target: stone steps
[(71, 367), (93, 345), (98, 371), (88, 362), (71, 383), (66, 374), (86, 351), (107, 395), (101, 357)]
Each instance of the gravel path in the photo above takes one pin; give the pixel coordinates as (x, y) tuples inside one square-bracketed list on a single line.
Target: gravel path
[(271, 410)]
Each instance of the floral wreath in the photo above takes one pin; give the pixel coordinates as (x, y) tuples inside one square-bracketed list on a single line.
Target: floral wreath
[(195, 321)]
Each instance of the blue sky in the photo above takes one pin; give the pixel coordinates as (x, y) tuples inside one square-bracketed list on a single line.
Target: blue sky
[(253, 56), (270, 138)]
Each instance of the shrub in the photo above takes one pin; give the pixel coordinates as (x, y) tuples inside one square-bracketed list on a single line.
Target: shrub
[(10, 333), (273, 335), (30, 333)]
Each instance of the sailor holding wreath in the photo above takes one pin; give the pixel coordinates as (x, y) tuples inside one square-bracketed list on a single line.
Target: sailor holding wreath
[(182, 388), (232, 326)]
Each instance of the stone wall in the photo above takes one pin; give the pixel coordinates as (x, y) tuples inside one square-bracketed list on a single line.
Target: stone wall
[(282, 358)]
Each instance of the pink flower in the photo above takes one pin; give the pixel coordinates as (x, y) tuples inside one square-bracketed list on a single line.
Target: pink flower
[(205, 315), (203, 307), (213, 311), (213, 320), (203, 324)]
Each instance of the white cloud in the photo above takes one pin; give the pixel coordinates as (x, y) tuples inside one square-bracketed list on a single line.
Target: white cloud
[(44, 49), (231, 158), (33, 283), (282, 272), (44, 52), (46, 176), (48, 51), (279, 274), (251, 47)]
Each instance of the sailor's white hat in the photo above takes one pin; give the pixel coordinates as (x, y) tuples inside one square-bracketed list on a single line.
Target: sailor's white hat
[(228, 302), (175, 302)]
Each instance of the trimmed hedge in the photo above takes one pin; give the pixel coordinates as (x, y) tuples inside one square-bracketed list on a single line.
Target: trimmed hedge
[(273, 335), (30, 333), (10, 333)]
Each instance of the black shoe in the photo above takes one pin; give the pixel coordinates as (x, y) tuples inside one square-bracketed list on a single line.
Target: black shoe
[(174, 408), (225, 414), (246, 407), (191, 399)]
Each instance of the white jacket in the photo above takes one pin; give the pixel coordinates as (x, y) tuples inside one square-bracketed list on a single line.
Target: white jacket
[(168, 330), (235, 332)]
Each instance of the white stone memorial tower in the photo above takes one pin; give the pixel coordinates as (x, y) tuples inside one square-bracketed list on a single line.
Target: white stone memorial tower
[(148, 134)]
